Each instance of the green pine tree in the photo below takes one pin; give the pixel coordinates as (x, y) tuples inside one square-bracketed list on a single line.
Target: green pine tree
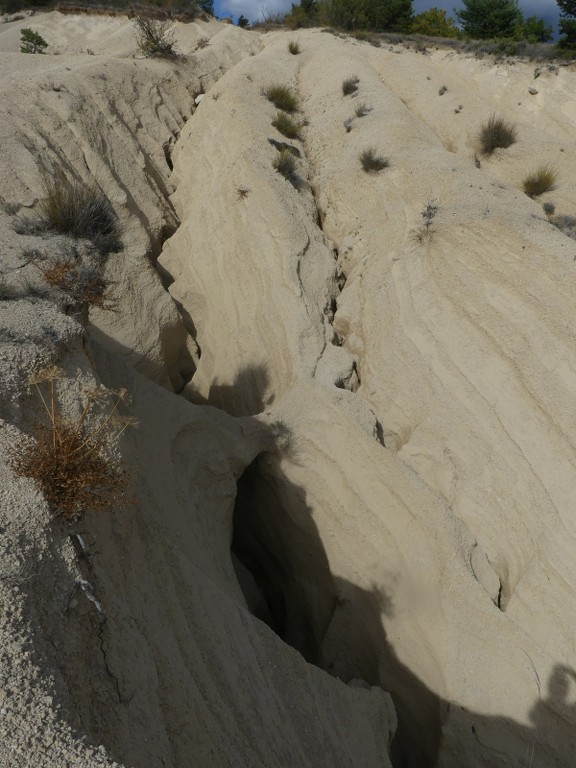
[(490, 18)]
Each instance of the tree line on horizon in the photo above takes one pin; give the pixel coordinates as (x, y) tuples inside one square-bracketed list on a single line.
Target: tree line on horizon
[(478, 19)]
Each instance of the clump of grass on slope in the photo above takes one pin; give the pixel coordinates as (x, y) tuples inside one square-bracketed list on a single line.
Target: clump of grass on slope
[(286, 126), (81, 210), (542, 180), (496, 133), (282, 97), (285, 163), (294, 47), (372, 162), (350, 85)]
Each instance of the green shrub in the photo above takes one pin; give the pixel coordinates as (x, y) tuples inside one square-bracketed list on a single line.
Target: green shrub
[(81, 210), (542, 180), (496, 133), (282, 97), (372, 162), (31, 42), (154, 37), (286, 126), (350, 85)]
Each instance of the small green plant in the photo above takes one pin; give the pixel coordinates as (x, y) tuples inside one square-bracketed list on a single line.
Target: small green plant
[(372, 162), (350, 85), (287, 127), (361, 110), (31, 42), (542, 180), (549, 209), (294, 47), (285, 163), (424, 232), (72, 461), (154, 37), (496, 133), (81, 210), (282, 97)]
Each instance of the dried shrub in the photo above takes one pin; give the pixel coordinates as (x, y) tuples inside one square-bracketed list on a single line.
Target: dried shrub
[(350, 85), (154, 37), (287, 127), (84, 284), (424, 232), (496, 133), (72, 461), (372, 162), (81, 210), (282, 97), (542, 180), (294, 47)]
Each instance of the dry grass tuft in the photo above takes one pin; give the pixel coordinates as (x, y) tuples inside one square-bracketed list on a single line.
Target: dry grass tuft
[(294, 47), (285, 163), (496, 133), (542, 180), (81, 210), (362, 110), (287, 126), (350, 85), (372, 162), (72, 462), (282, 97)]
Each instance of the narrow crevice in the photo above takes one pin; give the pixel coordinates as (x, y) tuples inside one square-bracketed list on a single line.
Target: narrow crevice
[(280, 561)]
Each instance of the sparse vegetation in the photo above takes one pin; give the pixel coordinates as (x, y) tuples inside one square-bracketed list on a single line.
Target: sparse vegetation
[(350, 85), (496, 133), (442, 90), (361, 110), (566, 224), (287, 127), (282, 97), (542, 180), (84, 284), (549, 209), (154, 37), (285, 163), (242, 193), (31, 42), (294, 47), (72, 461), (372, 162), (424, 232), (81, 210)]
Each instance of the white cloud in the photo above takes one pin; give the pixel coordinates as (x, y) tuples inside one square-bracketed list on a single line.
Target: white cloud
[(254, 10)]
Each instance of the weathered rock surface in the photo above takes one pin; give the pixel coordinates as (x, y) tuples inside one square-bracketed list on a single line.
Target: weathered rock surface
[(391, 452)]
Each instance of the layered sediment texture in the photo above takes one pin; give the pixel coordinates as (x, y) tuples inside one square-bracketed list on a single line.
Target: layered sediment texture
[(353, 468)]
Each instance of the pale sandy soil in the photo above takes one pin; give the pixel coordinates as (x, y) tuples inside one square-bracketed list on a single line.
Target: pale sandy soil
[(383, 427)]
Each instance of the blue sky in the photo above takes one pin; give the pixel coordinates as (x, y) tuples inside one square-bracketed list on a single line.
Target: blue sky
[(253, 9)]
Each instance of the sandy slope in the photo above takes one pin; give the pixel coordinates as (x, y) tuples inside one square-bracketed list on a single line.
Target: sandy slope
[(404, 500)]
